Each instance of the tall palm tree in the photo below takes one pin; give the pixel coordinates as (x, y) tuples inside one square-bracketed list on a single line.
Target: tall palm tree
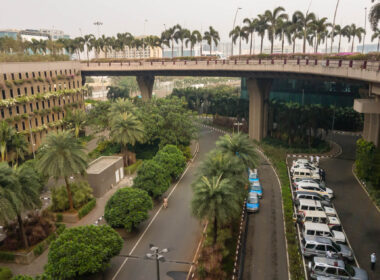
[(121, 106), (319, 26), (193, 38), (238, 33), (305, 21), (215, 199), (75, 120), (6, 134), (165, 40), (261, 28), (281, 30), (250, 27), (18, 193), (354, 31), (211, 36), (180, 35), (376, 35), (374, 16), (87, 43), (18, 147), (293, 32), (171, 35), (238, 145), (273, 17), (126, 129), (61, 155)]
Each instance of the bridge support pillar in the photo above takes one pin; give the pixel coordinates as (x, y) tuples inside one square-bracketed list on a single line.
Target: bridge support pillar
[(258, 90), (146, 86), (370, 107)]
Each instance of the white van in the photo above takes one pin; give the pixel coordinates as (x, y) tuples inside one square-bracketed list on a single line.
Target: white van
[(309, 205), (317, 229), (304, 173), (319, 217), (314, 187)]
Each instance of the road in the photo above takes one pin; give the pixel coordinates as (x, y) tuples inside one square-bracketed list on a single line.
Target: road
[(359, 216), (173, 228), (265, 247)]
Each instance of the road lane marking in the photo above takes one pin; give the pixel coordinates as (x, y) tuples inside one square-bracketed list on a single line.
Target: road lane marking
[(155, 216)]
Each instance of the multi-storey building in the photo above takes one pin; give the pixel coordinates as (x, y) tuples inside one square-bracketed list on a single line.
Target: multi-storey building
[(34, 96)]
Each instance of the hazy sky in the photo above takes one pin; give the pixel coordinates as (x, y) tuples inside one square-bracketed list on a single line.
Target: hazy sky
[(77, 16)]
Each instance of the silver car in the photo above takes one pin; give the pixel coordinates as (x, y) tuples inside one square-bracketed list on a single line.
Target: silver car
[(319, 246)]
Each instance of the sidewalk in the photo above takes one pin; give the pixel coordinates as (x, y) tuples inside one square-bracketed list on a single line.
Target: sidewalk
[(37, 266)]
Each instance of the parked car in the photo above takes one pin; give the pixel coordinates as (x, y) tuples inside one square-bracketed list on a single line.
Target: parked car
[(318, 217), (253, 175), (309, 205), (308, 180), (255, 187), (312, 246), (252, 202), (313, 196), (323, 191), (321, 266), (317, 229), (305, 174)]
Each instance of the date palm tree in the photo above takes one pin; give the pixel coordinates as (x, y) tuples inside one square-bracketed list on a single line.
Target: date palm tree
[(238, 33), (305, 21), (211, 36), (126, 129), (214, 199), (354, 31), (193, 38), (374, 16), (376, 35), (62, 156), (250, 27), (261, 28), (18, 147), (273, 18), (180, 35), (6, 134), (75, 120), (18, 193)]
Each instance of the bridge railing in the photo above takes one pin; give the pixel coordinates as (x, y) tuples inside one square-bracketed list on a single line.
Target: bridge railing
[(334, 63)]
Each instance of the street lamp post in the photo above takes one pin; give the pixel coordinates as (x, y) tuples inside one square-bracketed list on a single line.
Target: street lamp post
[(233, 27), (158, 256), (238, 124), (333, 27), (365, 27), (98, 24)]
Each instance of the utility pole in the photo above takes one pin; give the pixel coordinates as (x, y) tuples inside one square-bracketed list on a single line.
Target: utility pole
[(158, 256), (233, 27), (98, 24), (333, 27), (365, 27)]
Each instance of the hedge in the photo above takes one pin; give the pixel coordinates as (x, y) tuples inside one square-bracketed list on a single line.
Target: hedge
[(87, 208), (5, 273), (6, 256)]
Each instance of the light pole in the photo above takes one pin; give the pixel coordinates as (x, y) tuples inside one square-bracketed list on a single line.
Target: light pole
[(233, 27), (158, 256), (238, 124), (98, 24), (365, 27), (333, 27)]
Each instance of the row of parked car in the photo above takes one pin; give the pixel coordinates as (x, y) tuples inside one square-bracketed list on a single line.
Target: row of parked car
[(255, 191), (322, 236)]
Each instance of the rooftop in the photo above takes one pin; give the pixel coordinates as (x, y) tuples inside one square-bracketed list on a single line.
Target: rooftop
[(102, 163)]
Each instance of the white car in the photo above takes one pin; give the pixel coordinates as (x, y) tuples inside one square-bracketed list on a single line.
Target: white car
[(318, 229), (323, 191)]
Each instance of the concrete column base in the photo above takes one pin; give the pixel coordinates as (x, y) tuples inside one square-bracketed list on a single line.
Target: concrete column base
[(371, 129), (258, 90), (146, 86)]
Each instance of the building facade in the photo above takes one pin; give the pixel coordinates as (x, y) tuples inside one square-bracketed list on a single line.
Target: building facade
[(36, 95)]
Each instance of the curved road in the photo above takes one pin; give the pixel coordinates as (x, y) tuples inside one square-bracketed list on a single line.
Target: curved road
[(173, 228), (359, 216)]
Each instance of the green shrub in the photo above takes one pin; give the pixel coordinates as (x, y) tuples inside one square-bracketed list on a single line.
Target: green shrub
[(87, 208), (186, 152), (6, 256), (127, 208), (5, 273), (38, 250), (81, 192), (82, 250), (23, 277), (60, 228), (152, 178), (365, 152), (59, 217), (171, 159), (131, 169)]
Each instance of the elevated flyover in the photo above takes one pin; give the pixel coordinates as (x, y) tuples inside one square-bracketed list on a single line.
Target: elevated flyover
[(260, 74)]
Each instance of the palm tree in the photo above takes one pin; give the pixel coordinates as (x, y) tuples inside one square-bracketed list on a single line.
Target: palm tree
[(374, 16), (19, 147), (376, 35), (75, 120), (171, 35), (18, 193), (304, 21), (180, 35), (240, 33), (261, 28), (215, 199), (238, 145), (281, 30), (193, 38), (87, 42), (211, 36), (126, 129), (352, 32), (319, 26), (165, 40), (121, 106), (293, 32), (250, 27), (62, 155), (272, 19), (6, 134)]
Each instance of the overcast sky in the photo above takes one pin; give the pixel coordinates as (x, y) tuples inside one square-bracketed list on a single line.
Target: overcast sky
[(76, 17)]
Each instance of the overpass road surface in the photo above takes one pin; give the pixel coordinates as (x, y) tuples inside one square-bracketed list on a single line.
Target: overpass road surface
[(173, 228)]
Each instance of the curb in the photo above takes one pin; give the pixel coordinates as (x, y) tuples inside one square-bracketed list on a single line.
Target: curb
[(322, 156)]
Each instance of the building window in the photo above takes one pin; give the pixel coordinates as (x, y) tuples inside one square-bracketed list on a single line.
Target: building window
[(2, 113), (3, 93), (69, 84), (53, 102), (56, 73), (77, 83), (19, 76), (42, 120), (18, 92), (10, 111), (39, 74), (73, 84), (24, 107), (11, 92), (38, 89), (23, 125), (26, 91), (33, 74), (65, 71), (5, 77), (13, 76), (47, 118), (63, 114), (48, 103), (43, 104), (59, 102), (16, 127), (58, 116), (17, 110), (36, 121), (45, 74), (37, 105), (32, 90), (27, 75), (53, 117), (31, 107), (69, 70)]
